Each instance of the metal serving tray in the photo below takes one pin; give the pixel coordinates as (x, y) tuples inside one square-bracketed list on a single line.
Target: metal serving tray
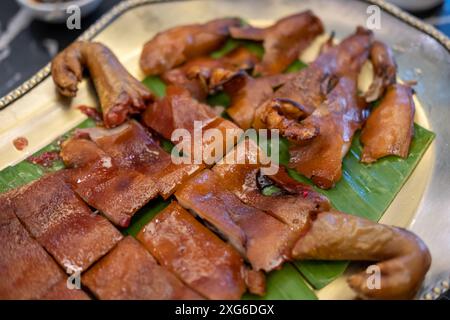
[(35, 111)]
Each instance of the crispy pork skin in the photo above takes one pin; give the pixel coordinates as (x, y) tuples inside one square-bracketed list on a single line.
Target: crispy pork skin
[(294, 204), (63, 224), (133, 148), (119, 92), (262, 239), (94, 175), (26, 270), (60, 291), (129, 272), (196, 255)]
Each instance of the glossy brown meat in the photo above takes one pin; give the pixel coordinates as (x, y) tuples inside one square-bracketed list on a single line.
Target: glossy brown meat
[(202, 75), (117, 192), (172, 47), (193, 253), (337, 118), (60, 291), (179, 110), (63, 224), (285, 116), (385, 70), (119, 92), (248, 93), (262, 239), (26, 270), (294, 205), (133, 148), (129, 272), (310, 87), (390, 127), (283, 41), (402, 258)]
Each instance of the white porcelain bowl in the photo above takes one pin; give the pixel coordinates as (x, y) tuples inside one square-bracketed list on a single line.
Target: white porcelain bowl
[(57, 12), (416, 5)]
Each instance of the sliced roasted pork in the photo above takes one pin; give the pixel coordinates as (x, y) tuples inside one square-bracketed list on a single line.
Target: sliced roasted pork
[(293, 203), (192, 252), (400, 256), (187, 123), (283, 41), (63, 224), (133, 148), (202, 76), (264, 241), (174, 46), (390, 127), (129, 272), (119, 92), (95, 176), (26, 270)]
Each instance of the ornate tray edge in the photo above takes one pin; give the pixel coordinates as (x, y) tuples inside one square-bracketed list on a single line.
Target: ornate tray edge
[(122, 7)]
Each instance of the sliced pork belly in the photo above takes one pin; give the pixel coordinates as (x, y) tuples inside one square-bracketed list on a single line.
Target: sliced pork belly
[(390, 127), (117, 192), (60, 291), (192, 252), (295, 204), (63, 224), (283, 41), (133, 148), (26, 270), (129, 272), (201, 76), (262, 239), (179, 110), (174, 46)]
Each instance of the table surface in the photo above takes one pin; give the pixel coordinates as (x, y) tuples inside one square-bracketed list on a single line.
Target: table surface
[(27, 45)]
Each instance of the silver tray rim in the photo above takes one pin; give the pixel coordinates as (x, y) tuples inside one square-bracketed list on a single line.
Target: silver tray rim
[(126, 5)]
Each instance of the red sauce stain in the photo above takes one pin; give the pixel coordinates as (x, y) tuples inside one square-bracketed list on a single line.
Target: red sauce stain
[(91, 112), (305, 194), (20, 143), (45, 159)]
